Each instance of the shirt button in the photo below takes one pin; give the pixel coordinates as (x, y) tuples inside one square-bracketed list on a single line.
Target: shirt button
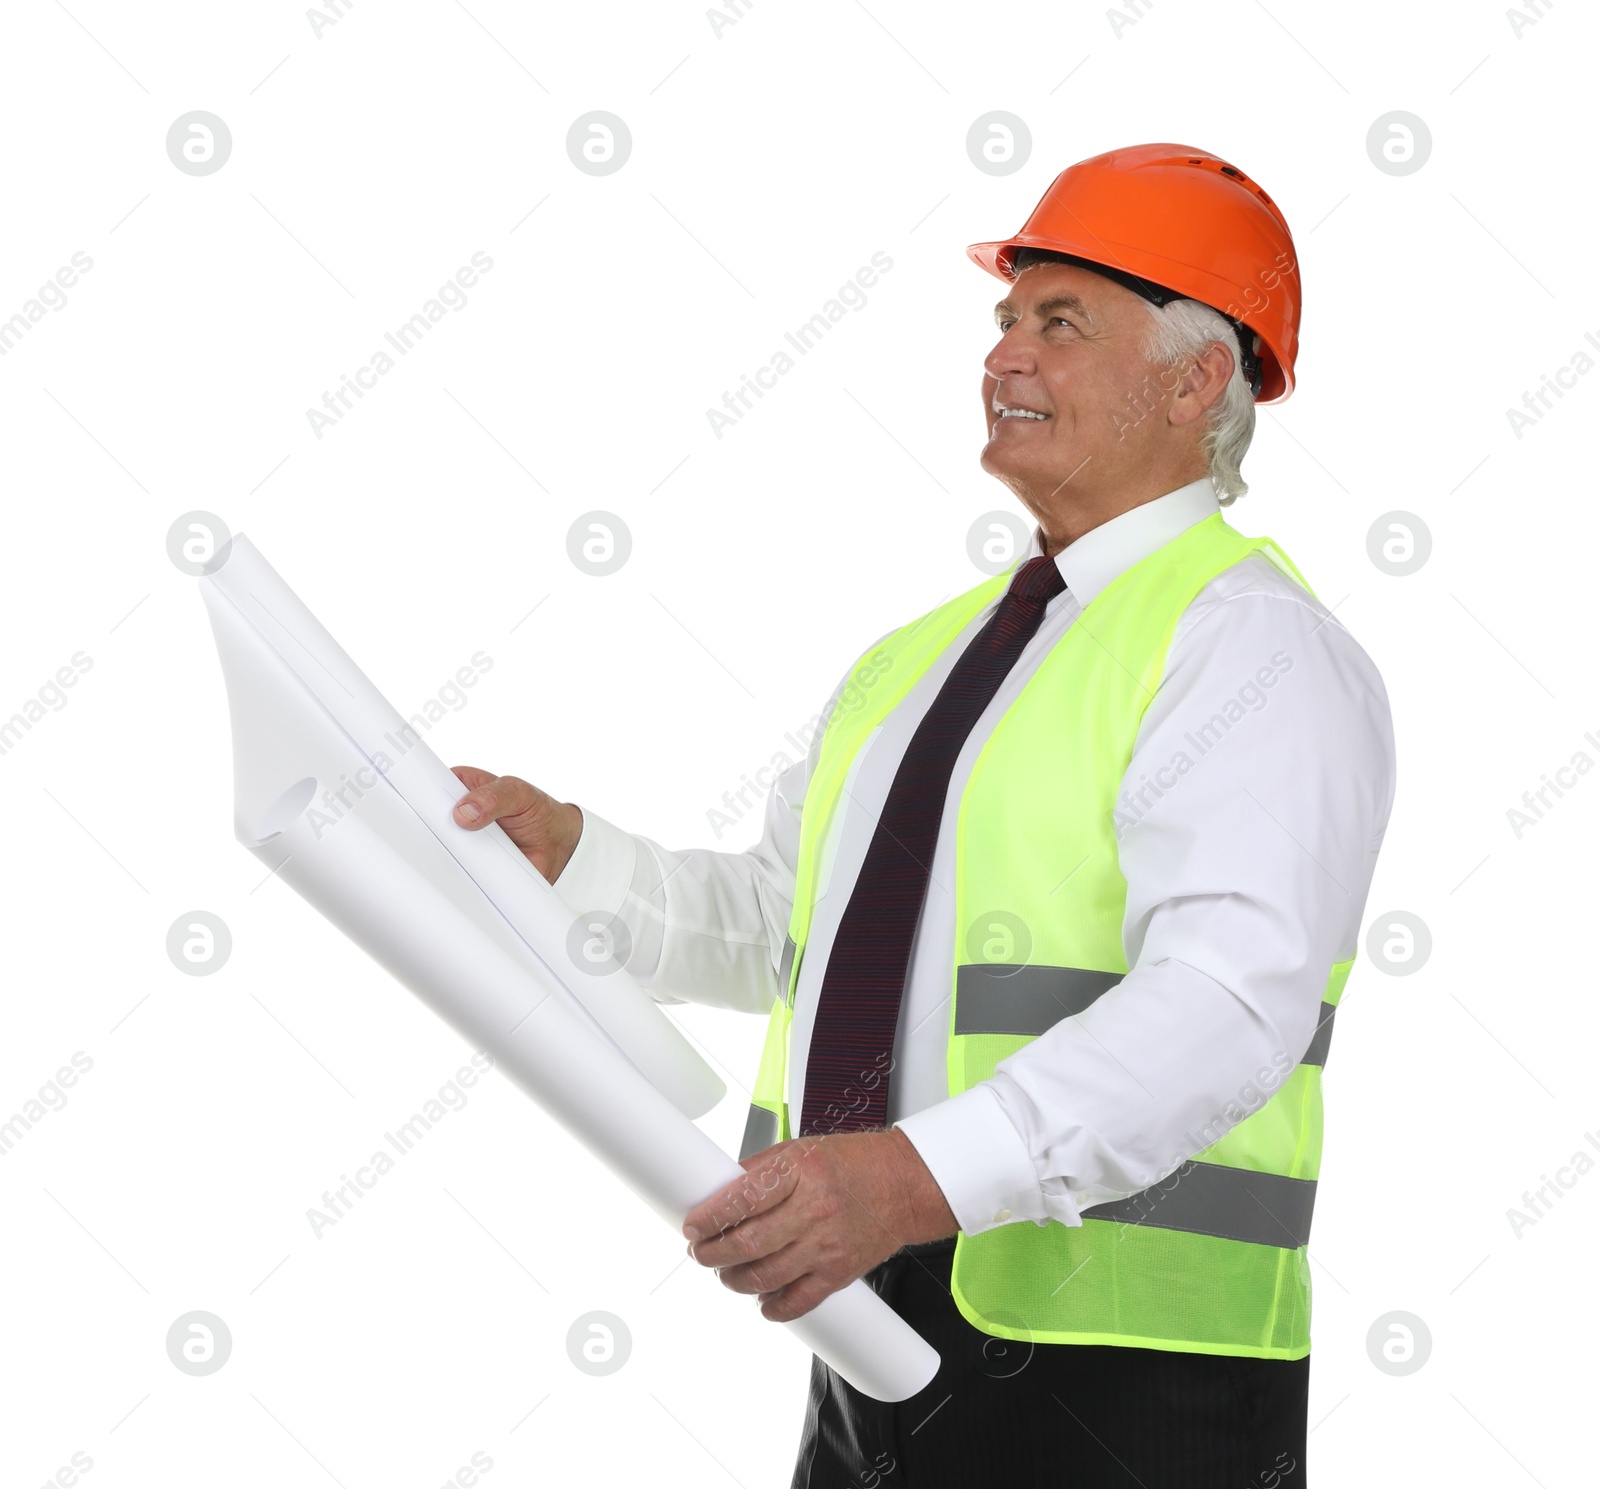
[(1001, 1216)]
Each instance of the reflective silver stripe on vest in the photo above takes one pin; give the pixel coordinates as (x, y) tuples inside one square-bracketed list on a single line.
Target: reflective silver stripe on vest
[(1211, 1199), (1008, 998), (1317, 1052), (761, 1126), (785, 966), (1004, 998), (760, 1131)]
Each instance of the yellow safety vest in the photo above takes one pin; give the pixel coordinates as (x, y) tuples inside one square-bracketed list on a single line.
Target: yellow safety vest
[(1212, 1258)]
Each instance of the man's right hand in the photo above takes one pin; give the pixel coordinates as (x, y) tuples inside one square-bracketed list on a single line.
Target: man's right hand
[(546, 830)]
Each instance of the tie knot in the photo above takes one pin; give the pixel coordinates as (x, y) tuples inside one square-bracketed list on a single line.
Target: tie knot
[(1038, 580)]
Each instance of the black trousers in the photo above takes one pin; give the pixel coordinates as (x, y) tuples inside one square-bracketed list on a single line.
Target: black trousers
[(1088, 1416)]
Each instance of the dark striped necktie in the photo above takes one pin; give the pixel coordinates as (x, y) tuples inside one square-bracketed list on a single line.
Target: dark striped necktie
[(858, 1007)]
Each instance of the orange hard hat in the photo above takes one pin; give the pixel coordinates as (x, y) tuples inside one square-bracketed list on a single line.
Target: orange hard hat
[(1171, 222)]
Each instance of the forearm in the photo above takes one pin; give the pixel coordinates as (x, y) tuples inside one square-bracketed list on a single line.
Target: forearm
[(1107, 1103), (1245, 885), (701, 924)]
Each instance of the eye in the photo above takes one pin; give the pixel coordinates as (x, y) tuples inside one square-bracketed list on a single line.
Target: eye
[(1004, 324)]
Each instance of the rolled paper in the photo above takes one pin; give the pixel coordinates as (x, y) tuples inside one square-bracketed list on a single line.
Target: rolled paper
[(381, 903), (392, 749), (311, 804)]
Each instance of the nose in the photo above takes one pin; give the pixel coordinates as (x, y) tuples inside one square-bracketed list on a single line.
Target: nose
[(1010, 357)]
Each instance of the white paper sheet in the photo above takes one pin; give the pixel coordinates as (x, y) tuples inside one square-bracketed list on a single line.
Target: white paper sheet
[(393, 749), (390, 879)]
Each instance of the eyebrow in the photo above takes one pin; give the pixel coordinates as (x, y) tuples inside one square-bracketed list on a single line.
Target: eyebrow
[(1047, 307)]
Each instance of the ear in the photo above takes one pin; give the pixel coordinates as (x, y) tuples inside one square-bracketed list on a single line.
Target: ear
[(1201, 385)]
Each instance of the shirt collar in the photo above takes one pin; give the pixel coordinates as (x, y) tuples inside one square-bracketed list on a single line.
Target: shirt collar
[(1089, 563)]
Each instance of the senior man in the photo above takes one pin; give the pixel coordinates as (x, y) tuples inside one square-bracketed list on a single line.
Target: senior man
[(1051, 922)]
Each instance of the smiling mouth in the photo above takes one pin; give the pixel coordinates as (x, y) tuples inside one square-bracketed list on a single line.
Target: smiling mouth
[(1024, 415)]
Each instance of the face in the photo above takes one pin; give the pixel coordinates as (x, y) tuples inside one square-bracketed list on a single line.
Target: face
[(1071, 362)]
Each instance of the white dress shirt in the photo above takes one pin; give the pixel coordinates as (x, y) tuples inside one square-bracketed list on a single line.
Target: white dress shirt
[(1247, 874)]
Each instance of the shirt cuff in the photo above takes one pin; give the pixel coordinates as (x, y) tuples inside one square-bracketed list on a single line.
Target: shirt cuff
[(599, 873), (979, 1160)]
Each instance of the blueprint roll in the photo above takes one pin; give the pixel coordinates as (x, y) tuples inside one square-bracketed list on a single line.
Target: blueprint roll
[(355, 879), (251, 607), (374, 851)]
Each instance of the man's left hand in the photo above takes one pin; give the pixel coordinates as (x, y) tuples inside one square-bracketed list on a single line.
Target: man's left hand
[(812, 1215)]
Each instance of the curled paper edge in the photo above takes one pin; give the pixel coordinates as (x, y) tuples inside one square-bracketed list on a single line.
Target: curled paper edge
[(534, 912)]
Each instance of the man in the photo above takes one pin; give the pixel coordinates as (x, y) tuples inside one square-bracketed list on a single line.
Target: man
[(1059, 904)]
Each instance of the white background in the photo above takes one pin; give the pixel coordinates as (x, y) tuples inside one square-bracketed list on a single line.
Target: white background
[(768, 165)]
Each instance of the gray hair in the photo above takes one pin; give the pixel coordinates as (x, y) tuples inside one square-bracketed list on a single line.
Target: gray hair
[(1180, 332)]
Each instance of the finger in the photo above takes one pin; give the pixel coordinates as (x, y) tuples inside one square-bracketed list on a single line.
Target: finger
[(763, 1185), (766, 1275), (498, 797), (796, 1300), (749, 1241), (470, 776), (473, 779)]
